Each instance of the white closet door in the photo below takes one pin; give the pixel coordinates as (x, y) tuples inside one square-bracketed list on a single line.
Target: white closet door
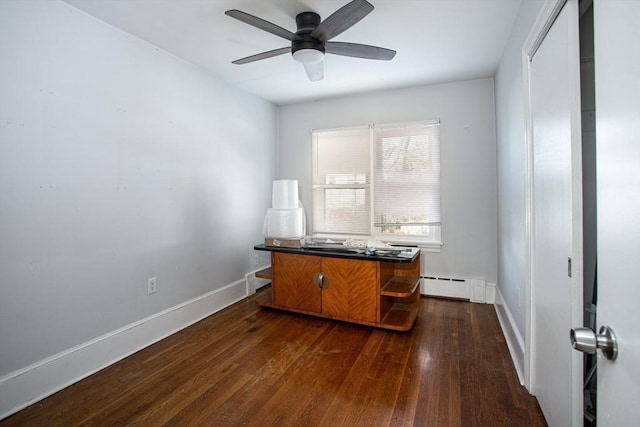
[(557, 216)]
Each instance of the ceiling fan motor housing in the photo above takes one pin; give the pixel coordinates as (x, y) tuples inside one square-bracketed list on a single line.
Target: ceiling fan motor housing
[(306, 23)]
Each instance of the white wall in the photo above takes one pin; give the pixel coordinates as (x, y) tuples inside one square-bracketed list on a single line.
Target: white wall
[(468, 156), (511, 164), (118, 162)]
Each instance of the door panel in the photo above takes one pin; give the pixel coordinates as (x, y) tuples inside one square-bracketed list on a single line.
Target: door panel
[(617, 62), (293, 281), (352, 291), (557, 216)]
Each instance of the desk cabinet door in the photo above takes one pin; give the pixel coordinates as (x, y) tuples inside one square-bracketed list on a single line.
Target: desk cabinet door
[(292, 283), (352, 291)]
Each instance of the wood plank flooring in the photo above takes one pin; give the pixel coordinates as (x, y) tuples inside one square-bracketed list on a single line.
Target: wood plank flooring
[(261, 367)]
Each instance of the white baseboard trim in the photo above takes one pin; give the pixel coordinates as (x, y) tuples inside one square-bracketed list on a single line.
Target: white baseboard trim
[(474, 290), (490, 297), (253, 282), (26, 386), (512, 335)]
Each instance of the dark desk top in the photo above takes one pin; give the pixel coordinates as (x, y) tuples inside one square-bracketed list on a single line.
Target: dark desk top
[(395, 254)]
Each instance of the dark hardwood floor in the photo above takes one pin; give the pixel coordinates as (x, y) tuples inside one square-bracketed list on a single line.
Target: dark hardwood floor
[(252, 366)]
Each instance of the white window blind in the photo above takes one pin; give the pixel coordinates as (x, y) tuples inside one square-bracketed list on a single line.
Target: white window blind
[(341, 181), (381, 181), (407, 179)]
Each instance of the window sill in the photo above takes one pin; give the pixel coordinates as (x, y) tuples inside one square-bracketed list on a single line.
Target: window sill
[(430, 247), (424, 246)]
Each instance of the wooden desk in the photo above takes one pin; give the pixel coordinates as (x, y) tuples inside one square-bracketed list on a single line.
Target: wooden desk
[(381, 290)]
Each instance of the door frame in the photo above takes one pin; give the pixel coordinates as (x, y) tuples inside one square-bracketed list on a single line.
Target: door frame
[(543, 23)]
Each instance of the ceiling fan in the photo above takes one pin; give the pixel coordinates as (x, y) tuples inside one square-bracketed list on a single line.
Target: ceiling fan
[(311, 40)]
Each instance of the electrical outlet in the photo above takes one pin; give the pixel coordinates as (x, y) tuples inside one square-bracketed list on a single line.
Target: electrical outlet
[(152, 285), (255, 260)]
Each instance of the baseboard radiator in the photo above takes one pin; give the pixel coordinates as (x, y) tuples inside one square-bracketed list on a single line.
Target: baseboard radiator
[(474, 290)]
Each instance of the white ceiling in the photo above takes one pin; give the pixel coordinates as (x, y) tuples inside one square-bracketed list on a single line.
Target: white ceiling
[(436, 40)]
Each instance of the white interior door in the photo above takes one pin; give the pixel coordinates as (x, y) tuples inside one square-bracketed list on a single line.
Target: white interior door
[(617, 62), (556, 286)]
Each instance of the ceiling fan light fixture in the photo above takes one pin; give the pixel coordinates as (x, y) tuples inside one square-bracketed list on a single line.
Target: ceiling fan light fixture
[(308, 56)]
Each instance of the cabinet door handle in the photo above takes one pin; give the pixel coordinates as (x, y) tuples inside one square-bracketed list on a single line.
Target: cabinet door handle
[(324, 282), (321, 281), (317, 281)]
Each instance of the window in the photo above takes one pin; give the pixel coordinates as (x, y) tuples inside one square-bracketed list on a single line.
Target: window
[(381, 181)]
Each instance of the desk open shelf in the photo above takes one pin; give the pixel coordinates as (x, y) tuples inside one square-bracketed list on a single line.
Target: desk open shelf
[(265, 274)]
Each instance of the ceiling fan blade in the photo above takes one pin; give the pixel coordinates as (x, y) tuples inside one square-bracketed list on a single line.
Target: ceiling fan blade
[(261, 24), (359, 50), (263, 55), (315, 71), (342, 19)]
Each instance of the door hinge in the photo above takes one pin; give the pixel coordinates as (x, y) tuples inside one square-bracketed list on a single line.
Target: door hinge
[(569, 266)]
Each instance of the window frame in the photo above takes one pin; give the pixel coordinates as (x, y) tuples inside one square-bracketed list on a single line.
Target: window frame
[(431, 242)]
